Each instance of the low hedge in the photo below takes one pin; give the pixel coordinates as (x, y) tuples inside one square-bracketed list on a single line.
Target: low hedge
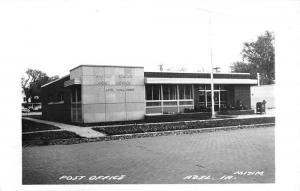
[(178, 117), (154, 127), (237, 112), (154, 119), (49, 135)]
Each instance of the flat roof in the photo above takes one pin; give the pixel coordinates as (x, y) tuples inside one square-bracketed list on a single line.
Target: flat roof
[(197, 75), (171, 74), (89, 65)]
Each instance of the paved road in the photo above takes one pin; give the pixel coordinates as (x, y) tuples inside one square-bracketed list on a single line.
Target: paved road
[(236, 156)]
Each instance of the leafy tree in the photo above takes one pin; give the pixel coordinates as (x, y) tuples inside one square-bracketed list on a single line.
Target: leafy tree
[(258, 57), (32, 82)]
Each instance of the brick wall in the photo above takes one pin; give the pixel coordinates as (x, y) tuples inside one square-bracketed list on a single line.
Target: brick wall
[(57, 111), (242, 93)]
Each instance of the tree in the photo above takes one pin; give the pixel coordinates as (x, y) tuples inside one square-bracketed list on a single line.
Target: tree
[(258, 57), (241, 67), (32, 82)]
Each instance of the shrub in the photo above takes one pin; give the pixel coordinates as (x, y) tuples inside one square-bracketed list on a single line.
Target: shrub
[(141, 128), (50, 135)]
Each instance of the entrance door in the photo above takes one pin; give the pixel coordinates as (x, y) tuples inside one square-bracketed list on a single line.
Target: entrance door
[(204, 98), (76, 111), (216, 99)]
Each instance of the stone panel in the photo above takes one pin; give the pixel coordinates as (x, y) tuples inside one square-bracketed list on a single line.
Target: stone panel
[(87, 71), (113, 75), (99, 71), (88, 80), (115, 112), (93, 112), (115, 94), (94, 117), (115, 87), (93, 94), (93, 108), (134, 76), (76, 73), (135, 93), (135, 111)]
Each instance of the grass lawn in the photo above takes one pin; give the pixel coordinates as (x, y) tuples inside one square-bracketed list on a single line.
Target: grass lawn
[(29, 126)]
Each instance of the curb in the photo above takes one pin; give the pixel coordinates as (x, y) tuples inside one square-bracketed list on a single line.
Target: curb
[(139, 135)]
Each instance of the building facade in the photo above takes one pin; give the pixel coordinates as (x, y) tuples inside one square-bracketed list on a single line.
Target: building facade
[(263, 92), (92, 94)]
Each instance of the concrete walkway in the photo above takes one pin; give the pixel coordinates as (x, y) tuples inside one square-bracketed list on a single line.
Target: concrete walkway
[(87, 132), (269, 113)]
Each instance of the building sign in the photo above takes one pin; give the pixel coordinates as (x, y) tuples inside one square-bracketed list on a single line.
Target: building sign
[(112, 89), (119, 80)]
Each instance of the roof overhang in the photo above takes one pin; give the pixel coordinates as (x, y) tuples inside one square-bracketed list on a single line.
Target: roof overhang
[(198, 81), (75, 81), (55, 81)]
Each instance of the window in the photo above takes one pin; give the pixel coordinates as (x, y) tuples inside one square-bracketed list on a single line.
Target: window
[(153, 92), (79, 94), (148, 92), (185, 92), (73, 97), (201, 87), (60, 96), (202, 96), (170, 92), (76, 94)]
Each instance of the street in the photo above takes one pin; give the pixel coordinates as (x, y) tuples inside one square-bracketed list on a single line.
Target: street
[(235, 156)]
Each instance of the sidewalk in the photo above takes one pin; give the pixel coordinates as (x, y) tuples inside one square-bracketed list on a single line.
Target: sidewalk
[(269, 113), (86, 132), (89, 134)]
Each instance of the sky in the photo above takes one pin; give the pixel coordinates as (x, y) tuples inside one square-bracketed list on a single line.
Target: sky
[(56, 36)]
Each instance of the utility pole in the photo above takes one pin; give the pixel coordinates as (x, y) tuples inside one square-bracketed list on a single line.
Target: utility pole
[(216, 69), (161, 67)]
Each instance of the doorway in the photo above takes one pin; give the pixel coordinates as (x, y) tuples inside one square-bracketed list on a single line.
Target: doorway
[(204, 97)]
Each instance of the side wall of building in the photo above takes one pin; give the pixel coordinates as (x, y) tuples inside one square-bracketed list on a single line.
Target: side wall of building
[(56, 104), (242, 93), (264, 92)]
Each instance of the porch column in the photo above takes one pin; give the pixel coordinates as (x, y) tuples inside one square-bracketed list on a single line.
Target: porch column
[(219, 97), (193, 96), (162, 97), (177, 87)]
